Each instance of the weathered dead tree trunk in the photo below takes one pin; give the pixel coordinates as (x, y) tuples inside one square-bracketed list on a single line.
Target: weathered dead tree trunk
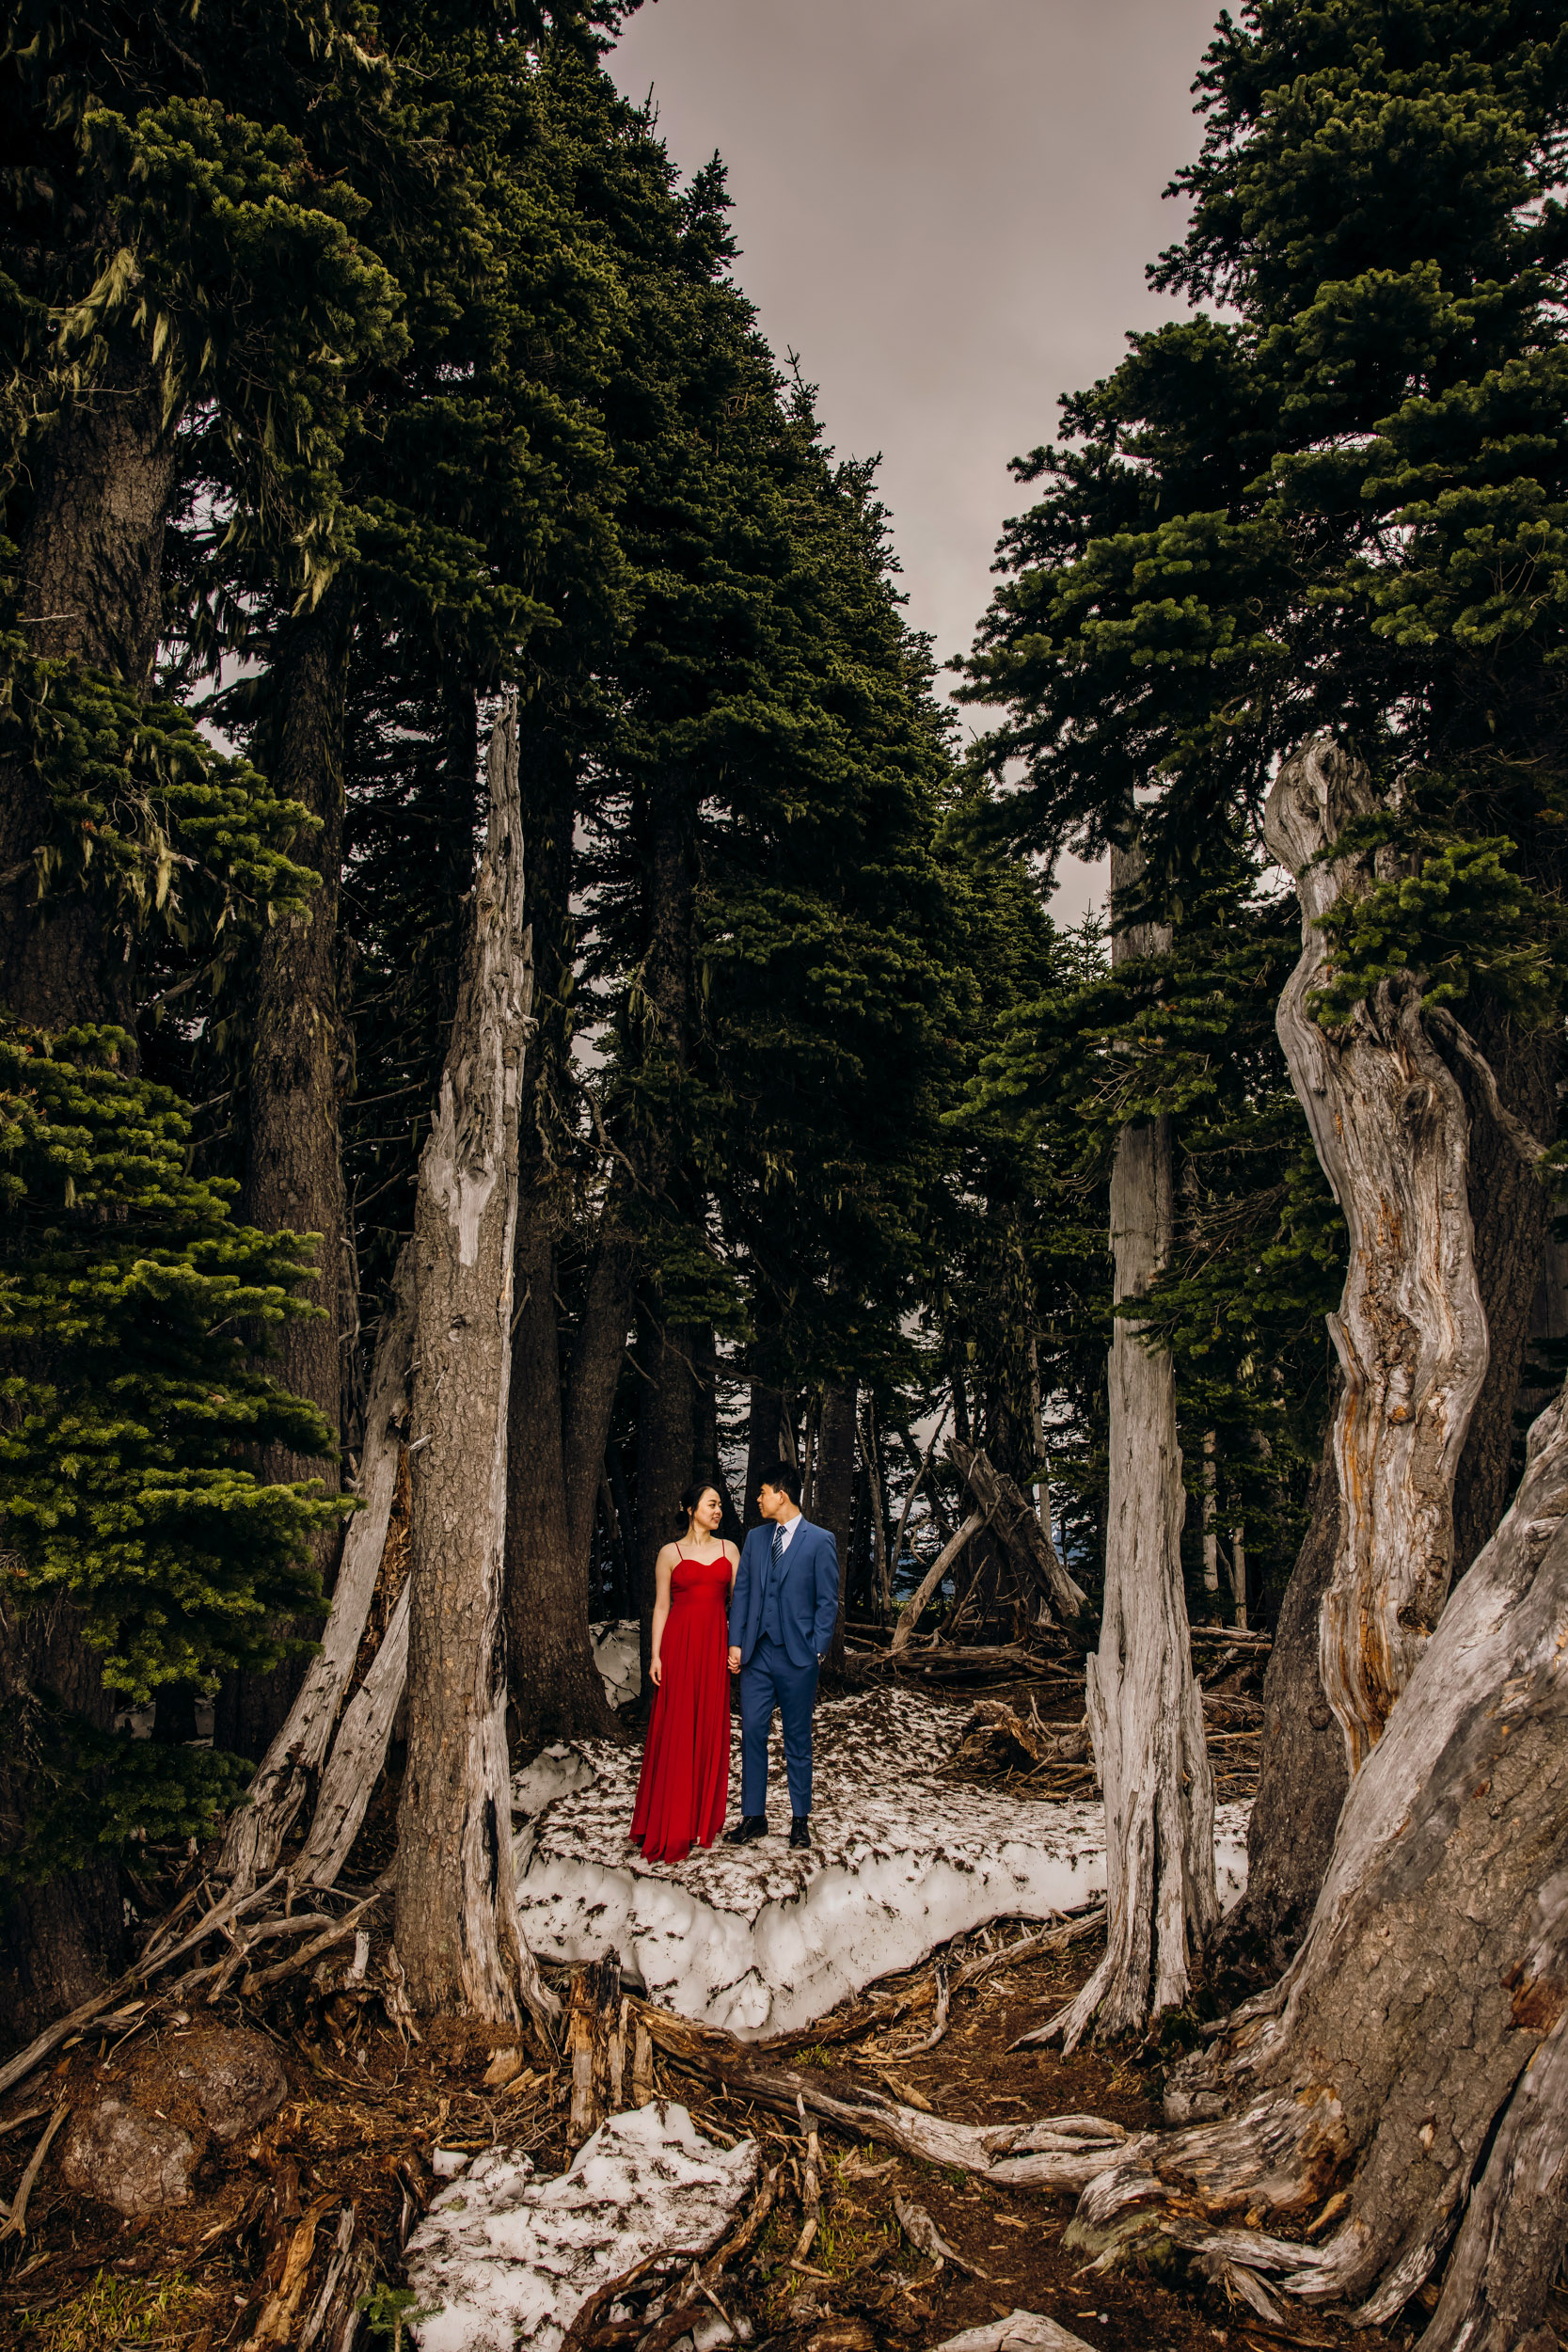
[(1390, 1128), (1016, 1527), (924, 1592), (1145, 1714), (457, 1933), (260, 1823), (1407, 2075), (359, 1755), (596, 2016)]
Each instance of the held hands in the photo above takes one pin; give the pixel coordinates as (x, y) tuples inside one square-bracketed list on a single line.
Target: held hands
[(735, 1659)]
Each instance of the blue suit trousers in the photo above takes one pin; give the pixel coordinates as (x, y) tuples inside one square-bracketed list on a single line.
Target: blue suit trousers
[(768, 1680)]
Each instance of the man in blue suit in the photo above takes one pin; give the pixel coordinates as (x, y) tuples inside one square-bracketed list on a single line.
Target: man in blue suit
[(781, 1617)]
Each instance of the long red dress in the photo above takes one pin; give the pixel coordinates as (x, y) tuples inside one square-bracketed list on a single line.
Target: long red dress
[(686, 1763)]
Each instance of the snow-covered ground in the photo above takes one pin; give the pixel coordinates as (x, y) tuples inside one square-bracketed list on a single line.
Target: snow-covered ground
[(760, 1940), (503, 2259)]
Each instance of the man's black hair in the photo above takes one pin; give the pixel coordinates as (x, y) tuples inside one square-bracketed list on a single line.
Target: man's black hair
[(786, 1478)]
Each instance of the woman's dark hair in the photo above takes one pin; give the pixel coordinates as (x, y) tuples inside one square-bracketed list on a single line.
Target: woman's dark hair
[(692, 1495)]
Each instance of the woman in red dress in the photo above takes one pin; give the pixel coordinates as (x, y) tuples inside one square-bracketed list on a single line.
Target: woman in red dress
[(686, 1763)]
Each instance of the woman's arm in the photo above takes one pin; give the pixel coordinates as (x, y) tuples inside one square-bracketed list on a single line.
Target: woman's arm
[(734, 1558), (664, 1568)]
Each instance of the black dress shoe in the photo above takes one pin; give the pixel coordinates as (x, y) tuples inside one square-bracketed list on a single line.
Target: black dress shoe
[(800, 1830), (749, 1826)]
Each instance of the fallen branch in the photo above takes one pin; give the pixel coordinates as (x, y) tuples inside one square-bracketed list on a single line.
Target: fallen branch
[(1054, 2153), (909, 1617), (15, 2224), (150, 1964)]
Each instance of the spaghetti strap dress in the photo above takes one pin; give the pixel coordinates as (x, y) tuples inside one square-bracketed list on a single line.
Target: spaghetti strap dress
[(686, 1763)]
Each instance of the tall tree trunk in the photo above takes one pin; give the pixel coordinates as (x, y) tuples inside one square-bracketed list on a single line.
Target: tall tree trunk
[(764, 1445), (457, 1911), (666, 1438), (556, 1443), (1145, 1714), (90, 567), (293, 1162), (556, 1688), (1409, 2064), (1302, 1775), (1390, 1128), (835, 1491)]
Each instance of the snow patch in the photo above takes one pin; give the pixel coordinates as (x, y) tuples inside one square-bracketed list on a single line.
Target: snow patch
[(503, 2259), (618, 1659), (762, 1940)]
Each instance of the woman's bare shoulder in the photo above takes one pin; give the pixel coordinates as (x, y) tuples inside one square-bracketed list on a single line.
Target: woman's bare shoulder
[(732, 1554), (668, 1556)]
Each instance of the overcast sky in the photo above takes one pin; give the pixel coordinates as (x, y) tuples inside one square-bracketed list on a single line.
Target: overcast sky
[(946, 208)]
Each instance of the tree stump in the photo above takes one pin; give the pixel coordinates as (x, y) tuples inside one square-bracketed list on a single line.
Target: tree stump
[(596, 2016)]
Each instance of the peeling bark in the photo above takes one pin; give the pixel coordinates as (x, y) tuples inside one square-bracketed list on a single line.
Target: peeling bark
[(1391, 1131), (259, 1825), (1145, 1713), (359, 1755), (456, 1920), (1410, 2061)]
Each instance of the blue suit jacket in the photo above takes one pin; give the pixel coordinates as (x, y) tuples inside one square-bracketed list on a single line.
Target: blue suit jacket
[(808, 1593)]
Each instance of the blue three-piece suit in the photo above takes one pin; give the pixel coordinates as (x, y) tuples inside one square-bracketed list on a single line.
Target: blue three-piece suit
[(783, 1612)]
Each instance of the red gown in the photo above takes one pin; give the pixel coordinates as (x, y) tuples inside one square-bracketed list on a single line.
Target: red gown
[(686, 1763)]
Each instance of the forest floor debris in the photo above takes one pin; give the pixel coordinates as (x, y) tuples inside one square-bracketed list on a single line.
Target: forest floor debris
[(366, 2112), (347, 2169)]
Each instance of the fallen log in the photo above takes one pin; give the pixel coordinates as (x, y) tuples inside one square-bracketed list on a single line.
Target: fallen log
[(1052, 2154)]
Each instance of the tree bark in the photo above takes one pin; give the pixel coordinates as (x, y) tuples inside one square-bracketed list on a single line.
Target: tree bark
[(257, 1831), (294, 1161), (764, 1445), (665, 1436), (1410, 2060), (91, 566), (835, 1491), (1508, 1217), (556, 1688), (1301, 1775), (456, 1919), (90, 559), (1390, 1128), (1144, 1712)]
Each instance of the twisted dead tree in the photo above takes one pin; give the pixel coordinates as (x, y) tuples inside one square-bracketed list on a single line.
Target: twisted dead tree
[(1145, 1714), (1407, 2081), (1391, 1130), (456, 1916), (1400, 2098)]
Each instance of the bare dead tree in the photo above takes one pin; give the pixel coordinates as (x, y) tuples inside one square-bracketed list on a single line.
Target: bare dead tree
[(457, 1931), (1390, 1127), (1145, 1714)]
